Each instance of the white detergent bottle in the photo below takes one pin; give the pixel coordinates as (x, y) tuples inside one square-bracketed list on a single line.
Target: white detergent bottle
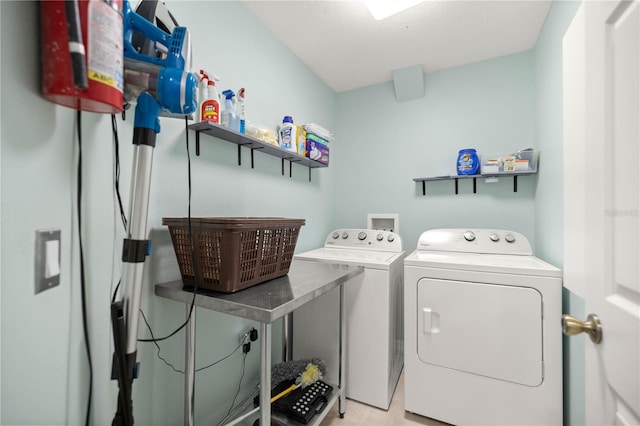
[(229, 117), (287, 134)]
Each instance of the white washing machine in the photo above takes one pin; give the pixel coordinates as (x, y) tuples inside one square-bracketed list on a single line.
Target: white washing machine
[(374, 303), (483, 338)]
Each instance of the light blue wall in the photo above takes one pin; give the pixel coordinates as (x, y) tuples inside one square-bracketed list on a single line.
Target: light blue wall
[(502, 104), (549, 197), (44, 368), (384, 144)]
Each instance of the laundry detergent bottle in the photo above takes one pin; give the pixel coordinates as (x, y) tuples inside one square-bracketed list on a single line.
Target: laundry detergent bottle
[(468, 163), (287, 134), (229, 117)]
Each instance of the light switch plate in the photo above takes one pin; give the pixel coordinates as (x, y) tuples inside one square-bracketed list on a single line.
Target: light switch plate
[(46, 239)]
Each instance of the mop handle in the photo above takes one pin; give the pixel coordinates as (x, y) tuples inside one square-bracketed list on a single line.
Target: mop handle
[(285, 392)]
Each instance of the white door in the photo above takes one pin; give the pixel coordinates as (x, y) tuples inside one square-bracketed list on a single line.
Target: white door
[(601, 86)]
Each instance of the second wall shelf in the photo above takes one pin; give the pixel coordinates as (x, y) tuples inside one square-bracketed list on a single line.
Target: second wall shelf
[(455, 178), (253, 144)]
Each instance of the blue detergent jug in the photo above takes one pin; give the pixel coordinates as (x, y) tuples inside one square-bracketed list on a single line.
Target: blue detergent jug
[(468, 163)]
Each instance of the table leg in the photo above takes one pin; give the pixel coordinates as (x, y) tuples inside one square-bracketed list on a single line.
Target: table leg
[(265, 375), (342, 352), (190, 367), (287, 337)]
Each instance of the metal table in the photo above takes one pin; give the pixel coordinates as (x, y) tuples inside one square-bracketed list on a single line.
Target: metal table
[(265, 303)]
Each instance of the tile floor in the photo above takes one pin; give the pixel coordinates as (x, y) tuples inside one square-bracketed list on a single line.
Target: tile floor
[(362, 414)]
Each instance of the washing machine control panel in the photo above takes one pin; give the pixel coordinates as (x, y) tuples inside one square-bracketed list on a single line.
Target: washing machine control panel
[(365, 239), (489, 241)]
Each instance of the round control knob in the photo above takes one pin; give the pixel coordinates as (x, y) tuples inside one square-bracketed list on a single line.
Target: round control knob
[(510, 238), (379, 237), (362, 236), (469, 236), (494, 237), (390, 238), (345, 235), (335, 235)]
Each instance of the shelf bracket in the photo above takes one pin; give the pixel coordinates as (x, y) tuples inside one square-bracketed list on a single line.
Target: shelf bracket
[(456, 179), (252, 149), (240, 145), (474, 185), (197, 143), (291, 160), (309, 173), (424, 187), (515, 183)]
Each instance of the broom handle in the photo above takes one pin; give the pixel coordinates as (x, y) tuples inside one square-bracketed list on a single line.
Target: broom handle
[(285, 392)]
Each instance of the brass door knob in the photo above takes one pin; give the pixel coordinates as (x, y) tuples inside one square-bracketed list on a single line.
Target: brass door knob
[(592, 326)]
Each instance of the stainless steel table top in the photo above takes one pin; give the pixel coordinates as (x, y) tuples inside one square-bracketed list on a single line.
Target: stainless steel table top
[(270, 300)]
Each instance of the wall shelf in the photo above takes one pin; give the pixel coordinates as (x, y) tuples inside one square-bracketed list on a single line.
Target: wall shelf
[(456, 178), (253, 144)]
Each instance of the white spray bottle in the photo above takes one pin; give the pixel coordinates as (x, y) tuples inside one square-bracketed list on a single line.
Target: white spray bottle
[(202, 93), (229, 117), (210, 107)]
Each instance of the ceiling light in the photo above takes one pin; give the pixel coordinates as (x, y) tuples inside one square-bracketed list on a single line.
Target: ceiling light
[(381, 9)]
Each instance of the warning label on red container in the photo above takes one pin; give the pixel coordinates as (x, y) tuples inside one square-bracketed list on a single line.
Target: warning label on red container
[(105, 44)]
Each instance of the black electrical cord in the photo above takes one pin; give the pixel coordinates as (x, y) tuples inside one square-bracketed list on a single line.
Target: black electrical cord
[(115, 292), (116, 181), (244, 363), (220, 360), (158, 346), (85, 324), (116, 153), (173, 367), (193, 260)]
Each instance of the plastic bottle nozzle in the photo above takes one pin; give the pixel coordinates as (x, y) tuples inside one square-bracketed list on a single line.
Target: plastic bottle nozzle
[(228, 94)]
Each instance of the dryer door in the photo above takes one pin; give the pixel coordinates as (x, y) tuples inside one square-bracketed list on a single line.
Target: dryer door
[(484, 329)]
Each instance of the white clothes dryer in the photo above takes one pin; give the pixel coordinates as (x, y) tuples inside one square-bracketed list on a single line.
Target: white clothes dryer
[(483, 336), (374, 309)]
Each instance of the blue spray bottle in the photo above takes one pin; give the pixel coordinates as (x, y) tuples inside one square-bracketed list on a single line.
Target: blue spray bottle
[(229, 117)]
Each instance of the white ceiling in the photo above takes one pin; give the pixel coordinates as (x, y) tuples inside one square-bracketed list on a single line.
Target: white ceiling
[(342, 43)]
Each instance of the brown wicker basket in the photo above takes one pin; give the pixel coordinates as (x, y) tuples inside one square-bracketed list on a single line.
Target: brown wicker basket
[(233, 253)]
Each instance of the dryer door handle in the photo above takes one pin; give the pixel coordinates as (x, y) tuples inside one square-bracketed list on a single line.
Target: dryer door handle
[(430, 321)]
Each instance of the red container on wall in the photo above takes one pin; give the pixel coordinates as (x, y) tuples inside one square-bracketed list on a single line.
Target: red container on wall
[(100, 25)]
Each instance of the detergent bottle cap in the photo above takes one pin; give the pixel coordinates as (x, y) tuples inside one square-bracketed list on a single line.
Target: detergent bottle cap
[(228, 94), (287, 119)]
